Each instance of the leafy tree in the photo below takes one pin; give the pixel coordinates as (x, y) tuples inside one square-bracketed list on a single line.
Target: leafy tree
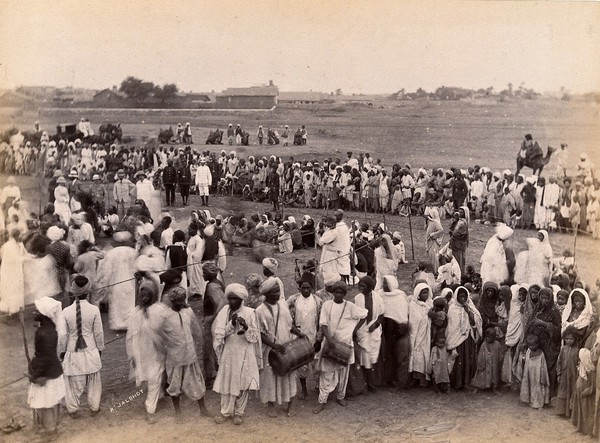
[(166, 92), (136, 89)]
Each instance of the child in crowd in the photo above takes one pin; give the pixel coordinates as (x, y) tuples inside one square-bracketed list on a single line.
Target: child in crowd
[(583, 400), (444, 277), (566, 371), (491, 206), (166, 235), (441, 362), (110, 221), (535, 383), (438, 314), (176, 256), (284, 239), (400, 249), (575, 213), (561, 300), (397, 198), (488, 363)]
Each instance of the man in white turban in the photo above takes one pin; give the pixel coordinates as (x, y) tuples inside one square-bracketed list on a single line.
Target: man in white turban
[(236, 342), (493, 260)]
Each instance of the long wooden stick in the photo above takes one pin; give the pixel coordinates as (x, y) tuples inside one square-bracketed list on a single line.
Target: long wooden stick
[(22, 320), (412, 243)]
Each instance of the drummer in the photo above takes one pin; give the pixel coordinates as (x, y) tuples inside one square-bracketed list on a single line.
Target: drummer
[(305, 308), (339, 320), (276, 328)]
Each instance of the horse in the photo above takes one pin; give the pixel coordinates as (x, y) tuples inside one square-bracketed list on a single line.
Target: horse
[(165, 135), (215, 137)]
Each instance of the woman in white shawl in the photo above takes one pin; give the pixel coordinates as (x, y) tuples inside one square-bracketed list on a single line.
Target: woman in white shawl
[(493, 259), (514, 330), (462, 334), (578, 313), (61, 200), (419, 324), (12, 277), (328, 263), (386, 261), (368, 336), (534, 266), (195, 252), (433, 235), (395, 332)]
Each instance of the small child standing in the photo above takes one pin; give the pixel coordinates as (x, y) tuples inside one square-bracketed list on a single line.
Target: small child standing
[(583, 402), (561, 300), (535, 383), (575, 213), (566, 371), (488, 363), (400, 249), (284, 239), (444, 278), (439, 316), (441, 362), (176, 256), (110, 221)]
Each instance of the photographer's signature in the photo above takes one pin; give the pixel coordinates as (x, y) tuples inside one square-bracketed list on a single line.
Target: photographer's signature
[(128, 400)]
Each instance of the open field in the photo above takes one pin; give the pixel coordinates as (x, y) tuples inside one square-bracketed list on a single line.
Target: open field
[(423, 134), (440, 134)]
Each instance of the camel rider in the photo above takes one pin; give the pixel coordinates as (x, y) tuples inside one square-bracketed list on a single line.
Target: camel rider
[(530, 148)]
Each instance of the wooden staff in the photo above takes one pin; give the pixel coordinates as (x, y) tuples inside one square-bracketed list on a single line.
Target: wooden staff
[(352, 265), (412, 243), (22, 320), (575, 243)]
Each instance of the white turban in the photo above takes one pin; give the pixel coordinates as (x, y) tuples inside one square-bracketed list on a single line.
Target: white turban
[(236, 290), (271, 264), (503, 232), (49, 307), (54, 233)]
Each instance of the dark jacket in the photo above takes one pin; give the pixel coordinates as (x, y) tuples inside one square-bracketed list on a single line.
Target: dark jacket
[(45, 362), (169, 175)]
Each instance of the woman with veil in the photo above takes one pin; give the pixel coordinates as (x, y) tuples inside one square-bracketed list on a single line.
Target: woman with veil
[(463, 332), (386, 262), (433, 235)]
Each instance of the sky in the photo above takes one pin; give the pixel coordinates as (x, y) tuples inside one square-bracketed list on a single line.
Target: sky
[(319, 45)]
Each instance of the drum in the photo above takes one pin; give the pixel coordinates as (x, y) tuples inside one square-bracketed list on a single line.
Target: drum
[(338, 352), (297, 353)]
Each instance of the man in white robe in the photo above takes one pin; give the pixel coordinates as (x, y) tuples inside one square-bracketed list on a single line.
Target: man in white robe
[(115, 275), (338, 321), (493, 259), (236, 342)]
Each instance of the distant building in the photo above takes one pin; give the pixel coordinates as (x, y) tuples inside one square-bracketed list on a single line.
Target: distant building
[(39, 92), (302, 98), (15, 99), (194, 100), (452, 93), (109, 98), (254, 97)]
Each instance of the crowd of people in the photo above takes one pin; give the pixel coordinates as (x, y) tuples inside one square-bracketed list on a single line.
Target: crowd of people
[(525, 322), (362, 183)]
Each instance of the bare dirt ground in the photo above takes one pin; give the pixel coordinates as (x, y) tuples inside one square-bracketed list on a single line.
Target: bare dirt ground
[(387, 415)]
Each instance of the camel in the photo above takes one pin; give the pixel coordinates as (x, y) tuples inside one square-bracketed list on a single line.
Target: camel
[(535, 162)]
